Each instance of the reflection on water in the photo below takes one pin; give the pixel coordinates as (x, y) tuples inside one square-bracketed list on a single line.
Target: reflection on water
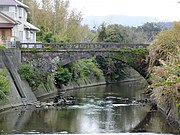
[(102, 109)]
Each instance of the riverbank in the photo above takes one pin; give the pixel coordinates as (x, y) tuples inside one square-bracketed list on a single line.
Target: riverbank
[(42, 94), (169, 112), (173, 121), (164, 72)]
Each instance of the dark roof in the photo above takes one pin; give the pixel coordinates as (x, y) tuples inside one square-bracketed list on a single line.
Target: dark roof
[(6, 25), (12, 3)]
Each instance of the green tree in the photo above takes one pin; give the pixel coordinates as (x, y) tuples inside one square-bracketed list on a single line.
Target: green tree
[(150, 30), (56, 22), (116, 33), (113, 33), (102, 33)]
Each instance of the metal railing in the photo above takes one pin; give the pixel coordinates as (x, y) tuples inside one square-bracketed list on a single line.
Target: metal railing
[(79, 46)]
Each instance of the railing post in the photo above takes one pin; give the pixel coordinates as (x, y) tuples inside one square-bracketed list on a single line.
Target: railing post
[(18, 45)]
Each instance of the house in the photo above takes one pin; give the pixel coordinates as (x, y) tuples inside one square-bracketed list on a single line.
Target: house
[(13, 22)]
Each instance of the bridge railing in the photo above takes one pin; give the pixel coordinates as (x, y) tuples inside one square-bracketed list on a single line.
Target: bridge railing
[(79, 46)]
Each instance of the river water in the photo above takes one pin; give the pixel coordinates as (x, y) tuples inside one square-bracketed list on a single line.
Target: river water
[(110, 109)]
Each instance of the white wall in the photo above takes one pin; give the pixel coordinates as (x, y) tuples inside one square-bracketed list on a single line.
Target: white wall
[(14, 13)]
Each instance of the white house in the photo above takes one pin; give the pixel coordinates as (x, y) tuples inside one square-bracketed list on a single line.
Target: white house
[(13, 22)]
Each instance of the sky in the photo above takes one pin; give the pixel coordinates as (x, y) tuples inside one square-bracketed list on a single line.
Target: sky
[(165, 10)]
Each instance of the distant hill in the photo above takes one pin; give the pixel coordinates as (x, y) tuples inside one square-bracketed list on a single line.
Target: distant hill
[(167, 25), (95, 21)]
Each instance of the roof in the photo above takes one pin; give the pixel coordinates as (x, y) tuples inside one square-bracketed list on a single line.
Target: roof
[(31, 27), (13, 3), (6, 25), (9, 19)]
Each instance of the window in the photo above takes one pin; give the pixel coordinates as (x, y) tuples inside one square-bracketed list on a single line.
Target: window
[(20, 12), (21, 36), (32, 37), (12, 9), (25, 14)]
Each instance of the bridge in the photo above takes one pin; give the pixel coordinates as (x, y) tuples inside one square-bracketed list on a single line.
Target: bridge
[(80, 46), (66, 53), (48, 56)]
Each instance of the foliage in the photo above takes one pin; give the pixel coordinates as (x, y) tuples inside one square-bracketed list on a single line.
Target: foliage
[(80, 70), (134, 57), (2, 47), (30, 74), (112, 69), (113, 33), (56, 22), (36, 76), (50, 82), (86, 68), (102, 33), (4, 84), (124, 34), (63, 76), (150, 30), (165, 66)]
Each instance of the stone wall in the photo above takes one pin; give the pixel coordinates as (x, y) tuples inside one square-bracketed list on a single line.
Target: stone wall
[(13, 98), (20, 93)]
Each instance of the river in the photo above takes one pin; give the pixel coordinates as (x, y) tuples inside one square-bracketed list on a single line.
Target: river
[(102, 109)]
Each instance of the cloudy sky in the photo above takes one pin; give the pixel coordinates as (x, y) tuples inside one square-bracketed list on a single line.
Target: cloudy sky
[(166, 10)]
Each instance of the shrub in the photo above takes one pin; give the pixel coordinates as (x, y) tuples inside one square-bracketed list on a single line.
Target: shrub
[(63, 76), (164, 67), (4, 84), (2, 47), (30, 74)]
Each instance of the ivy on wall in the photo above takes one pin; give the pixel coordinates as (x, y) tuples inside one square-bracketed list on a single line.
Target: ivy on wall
[(4, 84)]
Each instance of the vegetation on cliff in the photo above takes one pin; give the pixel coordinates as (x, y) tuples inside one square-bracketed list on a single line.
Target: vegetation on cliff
[(164, 69), (36, 77), (81, 71), (4, 84), (30, 74)]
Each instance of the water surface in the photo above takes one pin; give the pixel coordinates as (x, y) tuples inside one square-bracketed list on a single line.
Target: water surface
[(103, 109)]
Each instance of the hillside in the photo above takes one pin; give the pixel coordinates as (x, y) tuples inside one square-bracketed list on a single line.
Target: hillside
[(94, 21)]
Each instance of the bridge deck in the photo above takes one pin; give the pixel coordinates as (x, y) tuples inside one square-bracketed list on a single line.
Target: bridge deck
[(81, 46)]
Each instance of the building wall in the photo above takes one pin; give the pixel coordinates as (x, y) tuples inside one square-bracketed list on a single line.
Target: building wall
[(19, 31)]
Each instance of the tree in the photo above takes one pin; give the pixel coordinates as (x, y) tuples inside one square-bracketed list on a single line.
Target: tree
[(116, 33), (56, 22), (113, 33), (150, 30), (102, 33)]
